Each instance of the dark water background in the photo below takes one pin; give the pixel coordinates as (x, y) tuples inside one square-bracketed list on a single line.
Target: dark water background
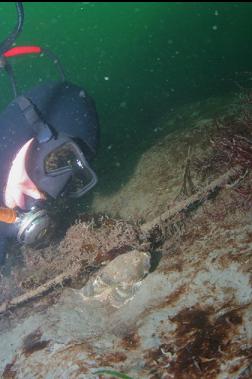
[(138, 60)]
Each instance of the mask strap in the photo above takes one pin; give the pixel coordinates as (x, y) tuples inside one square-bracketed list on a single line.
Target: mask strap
[(42, 130)]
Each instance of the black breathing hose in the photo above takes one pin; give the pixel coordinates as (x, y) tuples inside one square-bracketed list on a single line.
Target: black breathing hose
[(10, 73), (8, 42)]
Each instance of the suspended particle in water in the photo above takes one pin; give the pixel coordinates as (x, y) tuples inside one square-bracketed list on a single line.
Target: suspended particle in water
[(106, 78), (82, 93), (216, 13), (123, 104), (215, 27)]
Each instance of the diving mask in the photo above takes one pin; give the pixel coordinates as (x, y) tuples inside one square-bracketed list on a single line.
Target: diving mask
[(59, 167)]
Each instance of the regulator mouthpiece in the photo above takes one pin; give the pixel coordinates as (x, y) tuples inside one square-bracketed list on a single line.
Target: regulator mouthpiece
[(34, 227)]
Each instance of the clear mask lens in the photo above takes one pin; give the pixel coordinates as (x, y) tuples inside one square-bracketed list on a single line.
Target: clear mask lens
[(69, 158), (61, 158)]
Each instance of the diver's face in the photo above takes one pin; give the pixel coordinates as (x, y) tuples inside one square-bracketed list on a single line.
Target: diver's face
[(19, 185)]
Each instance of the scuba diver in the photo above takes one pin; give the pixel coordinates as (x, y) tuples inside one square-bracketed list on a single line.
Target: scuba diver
[(48, 135)]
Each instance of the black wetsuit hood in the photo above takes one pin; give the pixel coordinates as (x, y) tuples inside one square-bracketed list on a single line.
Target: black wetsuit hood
[(65, 107)]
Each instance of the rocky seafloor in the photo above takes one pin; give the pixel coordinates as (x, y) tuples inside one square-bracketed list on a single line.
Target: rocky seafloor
[(155, 300)]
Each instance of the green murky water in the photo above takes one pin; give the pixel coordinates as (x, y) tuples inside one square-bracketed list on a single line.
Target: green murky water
[(138, 60)]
